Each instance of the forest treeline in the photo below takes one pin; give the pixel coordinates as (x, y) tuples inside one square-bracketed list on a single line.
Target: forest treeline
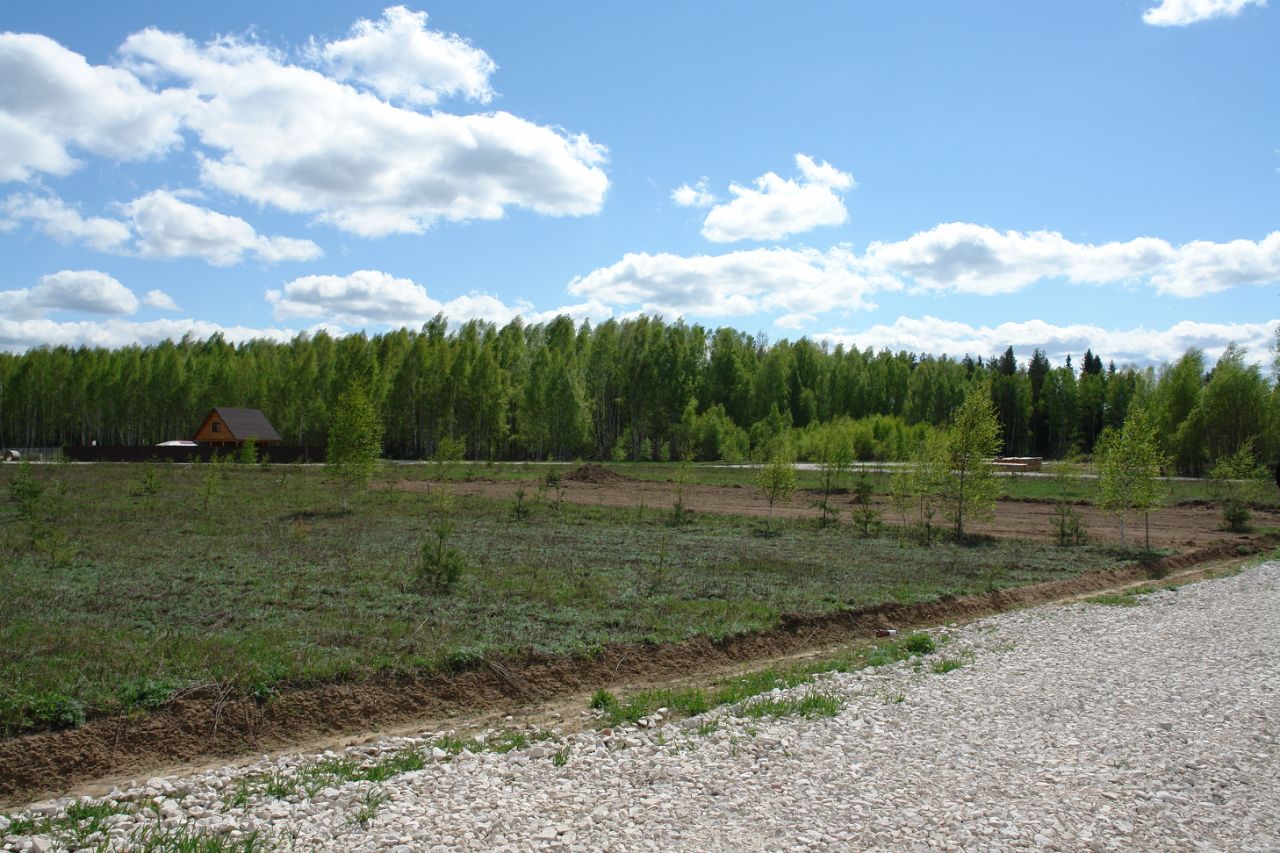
[(640, 388)]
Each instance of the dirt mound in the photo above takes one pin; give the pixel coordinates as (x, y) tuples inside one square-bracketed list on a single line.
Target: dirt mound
[(593, 473)]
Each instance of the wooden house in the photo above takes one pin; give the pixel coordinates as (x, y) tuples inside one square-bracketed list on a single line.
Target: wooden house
[(234, 426)]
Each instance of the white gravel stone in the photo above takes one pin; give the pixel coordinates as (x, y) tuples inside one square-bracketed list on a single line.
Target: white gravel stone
[(1068, 728)]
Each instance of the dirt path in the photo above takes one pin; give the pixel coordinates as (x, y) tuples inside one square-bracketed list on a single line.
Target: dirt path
[(539, 691), (1178, 527)]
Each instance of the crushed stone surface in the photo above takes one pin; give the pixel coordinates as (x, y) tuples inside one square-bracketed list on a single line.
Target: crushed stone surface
[(1071, 727)]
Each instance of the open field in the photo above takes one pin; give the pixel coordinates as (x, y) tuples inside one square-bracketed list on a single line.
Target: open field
[(270, 584), (199, 588)]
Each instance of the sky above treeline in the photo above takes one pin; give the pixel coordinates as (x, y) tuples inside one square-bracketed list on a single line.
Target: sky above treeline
[(944, 177)]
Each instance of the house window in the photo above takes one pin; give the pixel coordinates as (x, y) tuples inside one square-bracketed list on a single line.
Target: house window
[(217, 427)]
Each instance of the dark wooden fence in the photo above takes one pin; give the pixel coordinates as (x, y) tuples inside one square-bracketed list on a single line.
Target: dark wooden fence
[(202, 453)]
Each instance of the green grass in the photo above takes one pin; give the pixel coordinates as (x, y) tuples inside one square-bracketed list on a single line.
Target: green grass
[(810, 706), (689, 702), (76, 827), (1113, 600), (274, 586), (155, 838), (1128, 598)]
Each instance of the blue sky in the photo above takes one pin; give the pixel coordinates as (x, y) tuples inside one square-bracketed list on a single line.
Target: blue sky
[(942, 176)]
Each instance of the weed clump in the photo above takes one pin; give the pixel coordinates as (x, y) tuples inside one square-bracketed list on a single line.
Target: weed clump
[(919, 643)]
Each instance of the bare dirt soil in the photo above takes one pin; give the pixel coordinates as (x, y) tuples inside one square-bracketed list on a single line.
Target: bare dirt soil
[(1177, 527), (202, 727)]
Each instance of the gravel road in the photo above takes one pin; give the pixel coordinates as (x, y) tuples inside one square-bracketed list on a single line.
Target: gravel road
[(1077, 727)]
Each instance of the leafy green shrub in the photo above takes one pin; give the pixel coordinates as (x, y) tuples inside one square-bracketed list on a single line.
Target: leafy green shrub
[(56, 710), (147, 692), (919, 643), (1237, 480)]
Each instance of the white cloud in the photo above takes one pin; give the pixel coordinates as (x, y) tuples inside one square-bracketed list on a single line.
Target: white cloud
[(295, 139), (698, 195), (798, 285), (801, 283), (777, 207), (965, 258), (84, 290), (88, 291), (160, 299), (1180, 13), (402, 60), (1141, 346), (372, 297), (64, 223), (169, 227), (52, 100), (19, 335)]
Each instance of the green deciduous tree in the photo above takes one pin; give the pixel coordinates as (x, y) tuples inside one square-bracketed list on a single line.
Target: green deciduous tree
[(355, 439), (776, 480), (1237, 481), (1129, 462), (834, 457), (969, 487)]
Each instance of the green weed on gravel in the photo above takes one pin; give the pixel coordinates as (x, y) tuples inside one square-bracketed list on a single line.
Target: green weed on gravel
[(690, 702), (156, 838), (810, 706)]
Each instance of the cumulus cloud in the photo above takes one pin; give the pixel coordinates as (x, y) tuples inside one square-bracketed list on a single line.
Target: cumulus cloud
[(52, 101), (89, 291), (323, 139), (402, 60), (1141, 346), (293, 138), (63, 222), (373, 297), (776, 207), (160, 299), (698, 195), (963, 257), (19, 335), (1180, 13), (169, 227), (800, 283)]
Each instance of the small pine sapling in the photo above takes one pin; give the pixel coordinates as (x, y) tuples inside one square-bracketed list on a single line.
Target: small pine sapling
[(866, 517)]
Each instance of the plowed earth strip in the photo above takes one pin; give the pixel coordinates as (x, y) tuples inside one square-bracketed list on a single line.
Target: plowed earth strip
[(201, 728)]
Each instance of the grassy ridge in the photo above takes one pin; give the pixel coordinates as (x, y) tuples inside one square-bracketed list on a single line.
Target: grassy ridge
[(259, 581)]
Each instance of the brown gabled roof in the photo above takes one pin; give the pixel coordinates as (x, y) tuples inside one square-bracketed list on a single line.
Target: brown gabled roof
[(247, 423)]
